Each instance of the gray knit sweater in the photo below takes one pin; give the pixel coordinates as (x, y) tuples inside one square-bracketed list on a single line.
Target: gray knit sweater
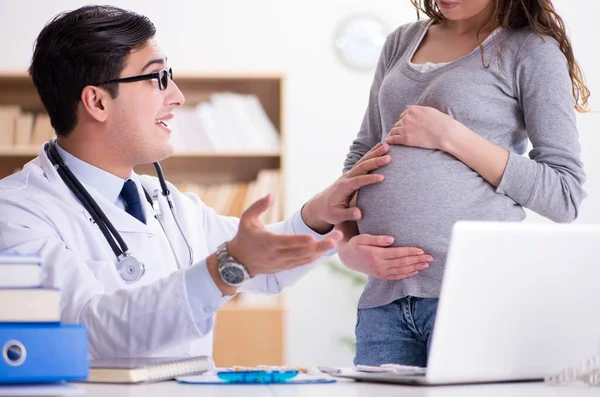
[(525, 93)]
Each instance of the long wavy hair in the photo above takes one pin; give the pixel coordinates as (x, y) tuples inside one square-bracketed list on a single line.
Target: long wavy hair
[(542, 18)]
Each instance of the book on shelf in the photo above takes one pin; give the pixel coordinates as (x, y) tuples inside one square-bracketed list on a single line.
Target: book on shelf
[(227, 122), (23, 129), (233, 198), (42, 130), (8, 122)]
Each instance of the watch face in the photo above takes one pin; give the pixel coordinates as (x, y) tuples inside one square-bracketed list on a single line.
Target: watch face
[(232, 274)]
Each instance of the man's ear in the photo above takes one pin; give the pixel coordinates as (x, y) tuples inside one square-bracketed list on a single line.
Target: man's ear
[(95, 101)]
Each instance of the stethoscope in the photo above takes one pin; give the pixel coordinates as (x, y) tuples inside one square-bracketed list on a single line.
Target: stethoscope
[(129, 267)]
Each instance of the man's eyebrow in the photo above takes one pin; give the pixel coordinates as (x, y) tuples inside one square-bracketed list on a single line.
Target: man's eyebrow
[(157, 61)]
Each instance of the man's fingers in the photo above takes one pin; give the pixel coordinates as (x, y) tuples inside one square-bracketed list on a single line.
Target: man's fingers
[(399, 273), (335, 236), (377, 151), (299, 245), (404, 270), (327, 244), (378, 241), (292, 257), (367, 166), (408, 261), (341, 215), (375, 148), (257, 208), (291, 241), (402, 252), (357, 182)]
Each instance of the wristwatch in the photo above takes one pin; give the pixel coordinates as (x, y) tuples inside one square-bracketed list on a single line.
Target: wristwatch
[(232, 272)]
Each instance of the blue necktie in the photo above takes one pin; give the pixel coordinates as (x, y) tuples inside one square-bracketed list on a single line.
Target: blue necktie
[(132, 200)]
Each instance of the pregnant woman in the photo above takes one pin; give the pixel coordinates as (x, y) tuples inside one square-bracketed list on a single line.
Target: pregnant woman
[(456, 97)]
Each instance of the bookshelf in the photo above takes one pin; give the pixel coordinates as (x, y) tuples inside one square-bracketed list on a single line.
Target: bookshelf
[(191, 168)]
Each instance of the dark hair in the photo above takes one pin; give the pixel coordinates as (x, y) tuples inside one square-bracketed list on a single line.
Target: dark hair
[(542, 18), (86, 46)]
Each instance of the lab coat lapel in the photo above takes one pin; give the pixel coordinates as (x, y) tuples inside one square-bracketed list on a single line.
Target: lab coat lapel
[(121, 220), (54, 179)]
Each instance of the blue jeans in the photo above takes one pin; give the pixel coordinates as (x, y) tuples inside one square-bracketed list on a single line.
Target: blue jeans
[(397, 333)]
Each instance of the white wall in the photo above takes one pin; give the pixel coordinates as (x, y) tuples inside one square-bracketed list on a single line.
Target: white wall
[(324, 105)]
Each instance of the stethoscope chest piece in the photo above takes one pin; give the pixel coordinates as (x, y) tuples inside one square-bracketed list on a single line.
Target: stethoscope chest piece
[(130, 269)]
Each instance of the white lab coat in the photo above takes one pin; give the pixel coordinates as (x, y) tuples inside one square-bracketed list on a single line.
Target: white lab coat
[(39, 214)]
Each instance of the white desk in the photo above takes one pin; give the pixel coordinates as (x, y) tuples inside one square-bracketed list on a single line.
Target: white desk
[(339, 389)]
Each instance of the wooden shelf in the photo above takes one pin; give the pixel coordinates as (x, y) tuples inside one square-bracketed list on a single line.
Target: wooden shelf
[(197, 167), (17, 88)]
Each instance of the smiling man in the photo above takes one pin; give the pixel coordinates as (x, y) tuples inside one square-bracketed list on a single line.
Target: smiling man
[(143, 285)]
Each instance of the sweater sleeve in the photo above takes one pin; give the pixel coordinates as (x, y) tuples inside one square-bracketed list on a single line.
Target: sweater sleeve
[(370, 130), (550, 181)]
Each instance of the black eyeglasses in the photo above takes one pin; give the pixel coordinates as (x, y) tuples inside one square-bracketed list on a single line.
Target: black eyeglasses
[(162, 76)]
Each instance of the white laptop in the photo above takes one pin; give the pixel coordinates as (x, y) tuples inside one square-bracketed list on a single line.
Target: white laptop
[(518, 302)]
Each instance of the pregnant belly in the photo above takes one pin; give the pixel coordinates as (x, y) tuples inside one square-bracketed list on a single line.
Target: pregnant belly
[(423, 194)]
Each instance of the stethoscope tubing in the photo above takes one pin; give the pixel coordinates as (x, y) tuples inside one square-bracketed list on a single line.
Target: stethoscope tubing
[(120, 248), (89, 203)]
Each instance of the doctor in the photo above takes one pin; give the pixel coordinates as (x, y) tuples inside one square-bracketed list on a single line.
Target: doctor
[(142, 265)]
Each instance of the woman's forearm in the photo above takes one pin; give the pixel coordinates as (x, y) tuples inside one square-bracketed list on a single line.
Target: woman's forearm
[(484, 157)]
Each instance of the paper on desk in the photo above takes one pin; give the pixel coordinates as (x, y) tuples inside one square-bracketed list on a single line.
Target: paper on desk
[(53, 389), (211, 378)]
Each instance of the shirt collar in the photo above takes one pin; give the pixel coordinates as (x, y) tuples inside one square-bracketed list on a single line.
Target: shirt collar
[(107, 184)]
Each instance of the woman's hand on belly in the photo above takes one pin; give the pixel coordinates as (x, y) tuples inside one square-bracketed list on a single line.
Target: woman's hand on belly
[(428, 128), (424, 127), (373, 256)]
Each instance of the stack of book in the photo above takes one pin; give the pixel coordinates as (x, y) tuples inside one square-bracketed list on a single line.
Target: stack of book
[(35, 346), (23, 129)]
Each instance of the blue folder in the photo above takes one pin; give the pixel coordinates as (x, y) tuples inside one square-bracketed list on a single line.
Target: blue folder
[(43, 353)]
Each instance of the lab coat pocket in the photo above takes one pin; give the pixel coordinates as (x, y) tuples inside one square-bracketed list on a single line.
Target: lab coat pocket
[(106, 273)]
